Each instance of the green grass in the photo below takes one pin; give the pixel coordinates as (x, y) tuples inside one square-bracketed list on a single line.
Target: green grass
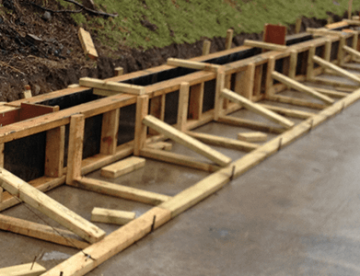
[(190, 20)]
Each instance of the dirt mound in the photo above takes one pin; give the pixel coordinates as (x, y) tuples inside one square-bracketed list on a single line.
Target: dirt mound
[(42, 49)]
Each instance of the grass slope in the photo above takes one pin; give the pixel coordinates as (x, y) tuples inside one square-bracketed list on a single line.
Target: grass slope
[(179, 21)]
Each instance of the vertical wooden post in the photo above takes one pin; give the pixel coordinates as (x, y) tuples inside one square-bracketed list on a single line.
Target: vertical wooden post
[(228, 86), (350, 9), (119, 71), (229, 38), (298, 25), (342, 43), (355, 40), (269, 80), (196, 101), (54, 153), (183, 106), (142, 106), (244, 81), (157, 109), (219, 101), (75, 150), (327, 54), (258, 79), (109, 131), (293, 64), (310, 63), (206, 47)]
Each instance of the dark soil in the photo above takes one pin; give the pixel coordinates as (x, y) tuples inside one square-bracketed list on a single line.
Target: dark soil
[(45, 53)]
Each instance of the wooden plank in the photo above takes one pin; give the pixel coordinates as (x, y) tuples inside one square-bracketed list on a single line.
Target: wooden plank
[(197, 65), (289, 112), (160, 146), (244, 81), (186, 140), (342, 43), (31, 269), (257, 108), (123, 167), (239, 122), (112, 244), (219, 101), (50, 207), (293, 64), (323, 32), (87, 43), (252, 136), (111, 216), (120, 191), (112, 86), (300, 87), (327, 53), (325, 64), (178, 159), (196, 101), (54, 152), (264, 45), (109, 131), (229, 38), (75, 149), (337, 25), (28, 111), (223, 141), (352, 51), (331, 93), (295, 101), (42, 232), (157, 109), (142, 110), (351, 22), (183, 106)]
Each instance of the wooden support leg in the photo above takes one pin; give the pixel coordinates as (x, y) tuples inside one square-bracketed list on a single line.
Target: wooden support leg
[(244, 81), (310, 63), (229, 37), (219, 101), (196, 101), (258, 79), (228, 86), (183, 106), (54, 156), (75, 150), (142, 106), (342, 43), (109, 131), (327, 54), (293, 64), (269, 80)]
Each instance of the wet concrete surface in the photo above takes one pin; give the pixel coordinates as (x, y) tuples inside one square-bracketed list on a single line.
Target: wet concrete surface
[(294, 214)]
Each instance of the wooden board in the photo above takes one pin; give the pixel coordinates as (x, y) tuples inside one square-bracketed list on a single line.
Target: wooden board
[(111, 216), (160, 146), (109, 131), (232, 96), (123, 167), (87, 43), (252, 136), (295, 101), (50, 207), (264, 45), (299, 114), (300, 87), (178, 159), (197, 65), (275, 34), (112, 86), (54, 152), (186, 140), (120, 191), (31, 269), (40, 231), (223, 141)]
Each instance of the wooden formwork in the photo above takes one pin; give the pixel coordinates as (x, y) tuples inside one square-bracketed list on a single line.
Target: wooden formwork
[(79, 128)]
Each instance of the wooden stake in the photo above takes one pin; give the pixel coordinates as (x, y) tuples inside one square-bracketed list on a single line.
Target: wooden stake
[(142, 106), (293, 64), (157, 109), (183, 106), (75, 150), (310, 63), (298, 25), (327, 54), (219, 101), (325, 64), (50, 207), (54, 156), (350, 9), (232, 96), (229, 38), (300, 87), (123, 167), (119, 71), (186, 140), (269, 80), (2, 147), (244, 81), (342, 43), (109, 131), (206, 47)]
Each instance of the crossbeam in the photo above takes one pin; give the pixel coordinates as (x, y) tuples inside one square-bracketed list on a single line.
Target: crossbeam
[(112, 86), (197, 65), (265, 45)]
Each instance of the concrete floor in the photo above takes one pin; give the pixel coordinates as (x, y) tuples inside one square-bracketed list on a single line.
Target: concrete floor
[(294, 214)]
